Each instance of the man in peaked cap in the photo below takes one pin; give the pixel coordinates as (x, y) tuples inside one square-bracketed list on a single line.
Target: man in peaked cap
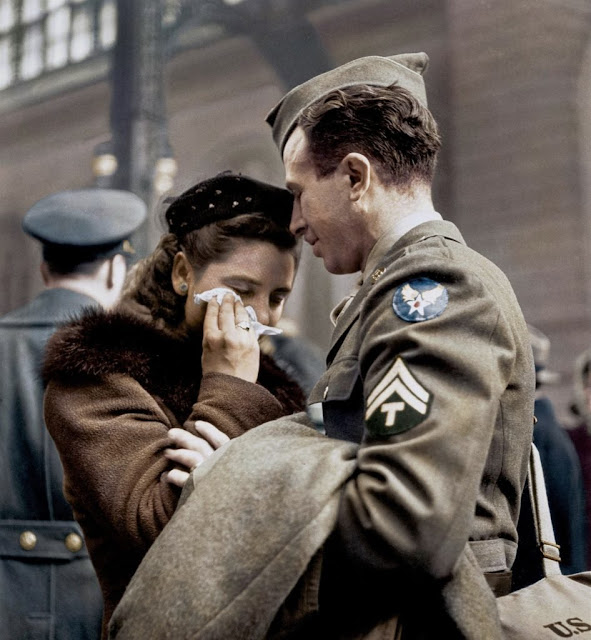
[(429, 368), (48, 588)]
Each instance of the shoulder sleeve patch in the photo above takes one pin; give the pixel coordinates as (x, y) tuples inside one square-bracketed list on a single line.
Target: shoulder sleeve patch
[(419, 300), (397, 403)]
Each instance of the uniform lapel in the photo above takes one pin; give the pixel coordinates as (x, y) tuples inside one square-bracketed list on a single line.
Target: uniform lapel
[(344, 322), (418, 233)]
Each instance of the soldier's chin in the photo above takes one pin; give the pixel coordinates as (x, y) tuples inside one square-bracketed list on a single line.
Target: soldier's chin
[(337, 268)]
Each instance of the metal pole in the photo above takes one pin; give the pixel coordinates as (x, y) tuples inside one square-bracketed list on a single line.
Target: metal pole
[(137, 113)]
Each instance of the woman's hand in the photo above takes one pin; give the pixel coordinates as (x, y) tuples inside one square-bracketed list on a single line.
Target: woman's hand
[(229, 346), (192, 450)]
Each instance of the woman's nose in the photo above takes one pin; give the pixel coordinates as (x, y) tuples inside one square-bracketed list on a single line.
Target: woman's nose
[(263, 312)]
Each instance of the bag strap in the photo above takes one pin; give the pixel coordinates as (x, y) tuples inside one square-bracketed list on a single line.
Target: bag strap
[(541, 511)]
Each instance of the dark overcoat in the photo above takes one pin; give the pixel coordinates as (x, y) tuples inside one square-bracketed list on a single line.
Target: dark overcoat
[(48, 588), (564, 485)]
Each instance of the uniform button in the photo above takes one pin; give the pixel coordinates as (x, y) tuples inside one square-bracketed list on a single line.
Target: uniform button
[(325, 393), (73, 542), (28, 540)]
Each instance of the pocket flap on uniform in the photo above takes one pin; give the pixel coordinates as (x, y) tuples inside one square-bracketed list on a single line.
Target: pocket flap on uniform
[(338, 382)]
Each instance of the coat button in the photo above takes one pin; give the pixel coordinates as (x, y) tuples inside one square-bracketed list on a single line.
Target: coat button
[(73, 542), (28, 540), (325, 393)]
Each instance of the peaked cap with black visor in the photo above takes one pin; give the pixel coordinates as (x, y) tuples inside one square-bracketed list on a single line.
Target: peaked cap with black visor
[(83, 225)]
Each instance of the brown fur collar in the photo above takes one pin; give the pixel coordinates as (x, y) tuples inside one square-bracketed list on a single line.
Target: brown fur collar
[(101, 343)]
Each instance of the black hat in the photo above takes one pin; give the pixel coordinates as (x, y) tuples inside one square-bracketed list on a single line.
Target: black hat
[(405, 69), (226, 196), (88, 223)]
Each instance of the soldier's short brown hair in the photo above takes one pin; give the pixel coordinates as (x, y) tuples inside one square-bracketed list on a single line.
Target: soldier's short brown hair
[(386, 124)]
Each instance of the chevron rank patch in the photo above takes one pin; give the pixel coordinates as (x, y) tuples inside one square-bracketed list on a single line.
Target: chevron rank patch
[(397, 403), (419, 300)]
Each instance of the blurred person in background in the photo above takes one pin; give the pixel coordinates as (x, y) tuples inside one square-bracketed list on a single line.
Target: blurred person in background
[(300, 358), (581, 434), (48, 588), (129, 391), (561, 465)]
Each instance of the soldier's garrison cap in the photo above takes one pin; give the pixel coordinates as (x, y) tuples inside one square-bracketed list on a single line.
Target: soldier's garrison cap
[(86, 223), (226, 196), (406, 70)]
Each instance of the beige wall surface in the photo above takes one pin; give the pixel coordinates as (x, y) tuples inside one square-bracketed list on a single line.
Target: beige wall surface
[(517, 178), (509, 82)]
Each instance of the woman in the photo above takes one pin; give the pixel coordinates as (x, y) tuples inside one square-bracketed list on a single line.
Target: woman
[(127, 390)]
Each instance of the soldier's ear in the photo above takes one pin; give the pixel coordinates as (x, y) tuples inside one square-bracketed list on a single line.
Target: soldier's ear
[(358, 169)]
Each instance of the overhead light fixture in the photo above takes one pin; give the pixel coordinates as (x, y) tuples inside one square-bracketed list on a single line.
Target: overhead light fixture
[(164, 174)]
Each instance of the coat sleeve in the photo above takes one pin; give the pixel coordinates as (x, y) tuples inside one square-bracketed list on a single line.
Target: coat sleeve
[(233, 405), (111, 434), (432, 392)]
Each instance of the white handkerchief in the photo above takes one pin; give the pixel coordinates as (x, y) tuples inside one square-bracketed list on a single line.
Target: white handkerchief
[(219, 292)]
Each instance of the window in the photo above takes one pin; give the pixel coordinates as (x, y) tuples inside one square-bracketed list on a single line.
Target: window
[(38, 36)]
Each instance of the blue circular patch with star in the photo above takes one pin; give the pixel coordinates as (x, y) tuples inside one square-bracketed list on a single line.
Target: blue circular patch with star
[(419, 300)]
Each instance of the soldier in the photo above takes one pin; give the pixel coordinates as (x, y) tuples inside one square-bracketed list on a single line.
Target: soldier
[(430, 364), (48, 588)]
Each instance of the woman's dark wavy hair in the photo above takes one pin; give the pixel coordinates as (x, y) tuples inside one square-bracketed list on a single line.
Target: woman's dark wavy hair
[(149, 283), (386, 124)]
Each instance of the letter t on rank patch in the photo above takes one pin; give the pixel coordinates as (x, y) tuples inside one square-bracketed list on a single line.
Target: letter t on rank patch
[(397, 403)]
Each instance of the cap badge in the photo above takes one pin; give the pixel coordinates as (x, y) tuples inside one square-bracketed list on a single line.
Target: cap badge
[(420, 299), (128, 247)]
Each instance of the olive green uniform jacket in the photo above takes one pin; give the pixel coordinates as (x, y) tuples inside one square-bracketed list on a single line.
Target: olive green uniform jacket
[(116, 384), (443, 407), (242, 556)]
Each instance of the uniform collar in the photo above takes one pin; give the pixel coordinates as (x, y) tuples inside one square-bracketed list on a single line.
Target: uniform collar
[(48, 308), (390, 247), (426, 230), (391, 237)]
